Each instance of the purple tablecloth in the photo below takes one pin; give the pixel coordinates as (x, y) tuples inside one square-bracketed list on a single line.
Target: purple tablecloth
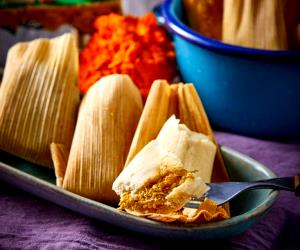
[(28, 222)]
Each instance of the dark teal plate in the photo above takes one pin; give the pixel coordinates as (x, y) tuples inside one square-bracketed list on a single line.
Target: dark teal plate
[(247, 209)]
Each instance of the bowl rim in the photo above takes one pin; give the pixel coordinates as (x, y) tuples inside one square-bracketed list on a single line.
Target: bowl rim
[(177, 27)]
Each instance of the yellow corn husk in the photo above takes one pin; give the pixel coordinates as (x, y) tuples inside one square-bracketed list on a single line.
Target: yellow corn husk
[(192, 113), (107, 119), (205, 16), (154, 115), (255, 24), (173, 100), (60, 155), (39, 98)]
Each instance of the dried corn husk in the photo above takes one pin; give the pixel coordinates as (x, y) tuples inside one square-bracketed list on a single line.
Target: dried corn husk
[(107, 119), (205, 16), (255, 24), (292, 20), (192, 113), (154, 115), (39, 98), (208, 211), (60, 155)]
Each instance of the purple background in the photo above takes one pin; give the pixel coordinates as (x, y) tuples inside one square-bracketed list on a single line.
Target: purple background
[(29, 222)]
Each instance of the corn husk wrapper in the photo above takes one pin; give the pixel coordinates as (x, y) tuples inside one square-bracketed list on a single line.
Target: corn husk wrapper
[(39, 98), (208, 211), (292, 23), (192, 113), (205, 16), (154, 115), (182, 100), (107, 119), (60, 155), (255, 23), (165, 174)]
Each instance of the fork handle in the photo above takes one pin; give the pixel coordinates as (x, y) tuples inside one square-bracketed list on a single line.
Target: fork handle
[(283, 183)]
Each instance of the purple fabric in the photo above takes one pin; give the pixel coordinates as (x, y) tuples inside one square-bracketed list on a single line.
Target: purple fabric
[(28, 222)]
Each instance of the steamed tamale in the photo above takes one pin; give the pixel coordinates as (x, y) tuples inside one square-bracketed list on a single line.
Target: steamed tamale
[(255, 24), (182, 100), (166, 173), (39, 98), (205, 16), (107, 119)]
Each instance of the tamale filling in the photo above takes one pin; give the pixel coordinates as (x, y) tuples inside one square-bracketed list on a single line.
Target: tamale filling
[(151, 198)]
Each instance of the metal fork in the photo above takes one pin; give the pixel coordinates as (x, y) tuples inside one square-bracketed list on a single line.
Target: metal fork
[(225, 191)]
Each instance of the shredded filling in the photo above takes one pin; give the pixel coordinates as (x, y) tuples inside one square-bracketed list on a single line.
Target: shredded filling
[(151, 198)]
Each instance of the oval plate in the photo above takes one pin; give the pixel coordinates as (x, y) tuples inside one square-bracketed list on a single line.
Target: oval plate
[(246, 210)]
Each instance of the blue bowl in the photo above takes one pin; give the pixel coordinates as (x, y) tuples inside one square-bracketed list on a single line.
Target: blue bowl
[(248, 91)]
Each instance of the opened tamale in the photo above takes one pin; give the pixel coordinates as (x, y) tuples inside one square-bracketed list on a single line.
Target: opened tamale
[(166, 173), (107, 119), (39, 98), (183, 101)]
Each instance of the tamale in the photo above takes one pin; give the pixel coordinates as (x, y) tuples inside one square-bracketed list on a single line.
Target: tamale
[(107, 119), (165, 174), (39, 98), (255, 23), (205, 16), (292, 23), (182, 100)]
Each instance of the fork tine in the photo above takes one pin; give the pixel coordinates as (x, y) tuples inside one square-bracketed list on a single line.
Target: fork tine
[(192, 205), (195, 198), (195, 204)]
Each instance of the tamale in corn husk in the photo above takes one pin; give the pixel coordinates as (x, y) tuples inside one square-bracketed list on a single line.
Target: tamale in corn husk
[(292, 23), (39, 98), (205, 16), (107, 119), (255, 23), (166, 173), (182, 100)]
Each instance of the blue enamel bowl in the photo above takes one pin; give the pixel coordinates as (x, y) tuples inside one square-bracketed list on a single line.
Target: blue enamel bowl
[(247, 91)]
